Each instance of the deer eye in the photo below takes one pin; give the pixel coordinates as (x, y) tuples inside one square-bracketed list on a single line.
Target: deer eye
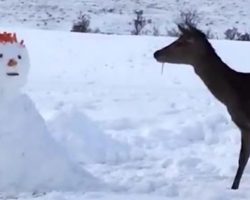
[(19, 57), (1, 55)]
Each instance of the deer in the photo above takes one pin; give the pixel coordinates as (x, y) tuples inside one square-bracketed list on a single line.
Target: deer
[(228, 86)]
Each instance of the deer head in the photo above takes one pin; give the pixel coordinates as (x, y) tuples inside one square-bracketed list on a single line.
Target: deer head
[(187, 49)]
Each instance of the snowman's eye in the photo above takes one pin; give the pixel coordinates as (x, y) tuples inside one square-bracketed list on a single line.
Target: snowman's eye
[(1, 55), (19, 57)]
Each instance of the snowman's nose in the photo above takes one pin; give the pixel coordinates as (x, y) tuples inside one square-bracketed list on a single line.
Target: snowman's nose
[(12, 63)]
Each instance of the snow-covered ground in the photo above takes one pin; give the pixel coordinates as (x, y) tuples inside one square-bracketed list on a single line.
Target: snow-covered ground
[(142, 134), (116, 16)]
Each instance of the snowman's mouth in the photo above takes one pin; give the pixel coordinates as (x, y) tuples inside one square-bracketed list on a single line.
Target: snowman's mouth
[(12, 74)]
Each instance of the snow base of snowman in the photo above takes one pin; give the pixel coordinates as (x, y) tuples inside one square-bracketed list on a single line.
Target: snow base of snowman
[(30, 160)]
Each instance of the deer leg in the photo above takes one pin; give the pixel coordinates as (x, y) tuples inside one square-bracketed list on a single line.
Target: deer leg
[(243, 158)]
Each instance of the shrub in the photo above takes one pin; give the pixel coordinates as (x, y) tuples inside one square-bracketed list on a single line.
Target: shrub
[(234, 34), (139, 22), (210, 35), (190, 16), (156, 31), (173, 32), (81, 24)]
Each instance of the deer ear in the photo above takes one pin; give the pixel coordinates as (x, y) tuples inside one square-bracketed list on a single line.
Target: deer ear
[(182, 28)]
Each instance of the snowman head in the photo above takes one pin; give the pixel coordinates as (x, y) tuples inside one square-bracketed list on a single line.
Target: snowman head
[(14, 63)]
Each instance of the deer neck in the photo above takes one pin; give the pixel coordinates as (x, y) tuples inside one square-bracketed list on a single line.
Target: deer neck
[(217, 76)]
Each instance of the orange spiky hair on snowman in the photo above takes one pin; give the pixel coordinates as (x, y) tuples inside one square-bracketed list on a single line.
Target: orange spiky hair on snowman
[(9, 38), (14, 62)]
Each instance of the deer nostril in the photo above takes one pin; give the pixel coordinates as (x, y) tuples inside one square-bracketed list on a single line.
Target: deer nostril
[(156, 54)]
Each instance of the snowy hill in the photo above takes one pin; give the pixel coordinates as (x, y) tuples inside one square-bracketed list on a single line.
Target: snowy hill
[(115, 16), (143, 134)]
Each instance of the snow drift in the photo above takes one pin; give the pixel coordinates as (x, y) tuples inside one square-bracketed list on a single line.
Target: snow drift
[(84, 140)]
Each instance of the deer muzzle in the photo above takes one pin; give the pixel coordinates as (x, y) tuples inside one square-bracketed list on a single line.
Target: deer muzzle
[(158, 56)]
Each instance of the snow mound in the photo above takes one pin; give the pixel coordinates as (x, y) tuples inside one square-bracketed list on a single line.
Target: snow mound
[(84, 140), (30, 160)]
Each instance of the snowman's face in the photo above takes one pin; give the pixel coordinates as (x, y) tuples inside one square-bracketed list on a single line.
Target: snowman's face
[(14, 65)]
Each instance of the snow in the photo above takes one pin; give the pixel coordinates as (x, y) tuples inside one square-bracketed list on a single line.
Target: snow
[(84, 140), (161, 136), (30, 160), (116, 16)]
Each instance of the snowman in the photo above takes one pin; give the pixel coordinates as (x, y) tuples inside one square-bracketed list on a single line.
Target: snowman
[(30, 160)]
